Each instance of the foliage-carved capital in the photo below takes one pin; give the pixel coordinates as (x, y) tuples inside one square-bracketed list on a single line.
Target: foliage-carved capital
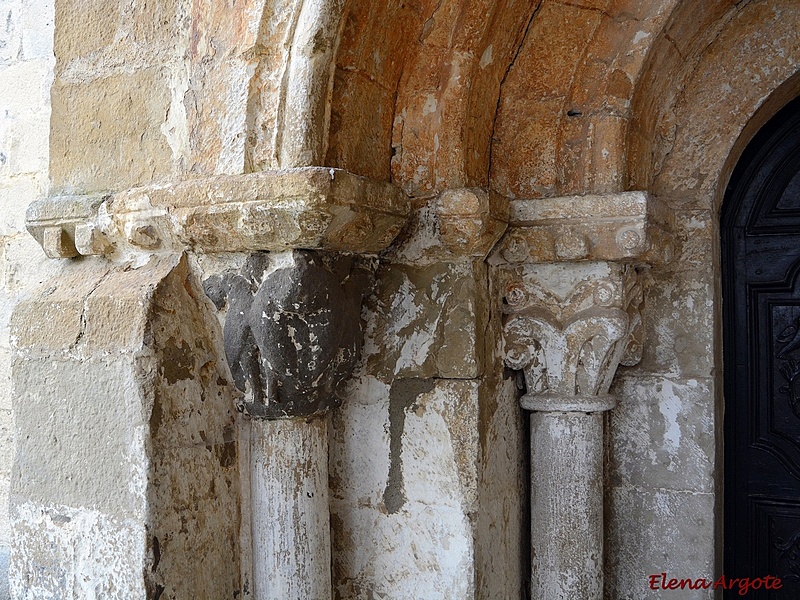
[(568, 327), (292, 328)]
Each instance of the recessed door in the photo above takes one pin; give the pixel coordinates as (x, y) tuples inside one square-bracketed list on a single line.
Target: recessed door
[(761, 339)]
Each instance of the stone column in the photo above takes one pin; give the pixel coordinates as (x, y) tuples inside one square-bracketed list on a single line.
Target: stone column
[(290, 511), (292, 335), (567, 329), (571, 318)]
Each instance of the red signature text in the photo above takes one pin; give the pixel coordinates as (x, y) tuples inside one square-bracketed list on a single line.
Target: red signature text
[(743, 585)]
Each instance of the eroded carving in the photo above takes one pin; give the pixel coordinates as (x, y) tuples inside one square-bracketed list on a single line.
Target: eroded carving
[(568, 328), (608, 227), (313, 207), (292, 330)]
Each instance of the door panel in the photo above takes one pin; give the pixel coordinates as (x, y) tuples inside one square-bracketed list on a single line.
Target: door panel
[(761, 340)]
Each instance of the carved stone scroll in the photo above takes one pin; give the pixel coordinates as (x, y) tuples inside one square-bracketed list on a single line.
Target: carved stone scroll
[(568, 327)]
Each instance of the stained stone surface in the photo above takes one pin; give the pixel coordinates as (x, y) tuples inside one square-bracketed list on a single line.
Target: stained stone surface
[(534, 100), (141, 476), (427, 321), (292, 329), (425, 485), (310, 207)]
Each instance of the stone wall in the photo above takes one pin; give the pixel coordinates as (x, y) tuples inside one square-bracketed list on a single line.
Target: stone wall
[(26, 72), (452, 108)]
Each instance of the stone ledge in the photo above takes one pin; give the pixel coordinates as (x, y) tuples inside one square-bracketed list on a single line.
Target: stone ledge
[(618, 226), (313, 207)]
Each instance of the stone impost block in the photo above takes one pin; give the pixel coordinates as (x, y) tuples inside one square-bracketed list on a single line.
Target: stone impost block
[(460, 223), (52, 222), (624, 226), (312, 207)]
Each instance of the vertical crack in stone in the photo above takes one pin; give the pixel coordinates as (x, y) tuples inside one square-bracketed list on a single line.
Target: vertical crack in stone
[(85, 311), (403, 395)]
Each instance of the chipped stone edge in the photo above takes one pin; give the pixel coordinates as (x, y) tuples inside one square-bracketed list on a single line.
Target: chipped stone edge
[(459, 223), (311, 207)]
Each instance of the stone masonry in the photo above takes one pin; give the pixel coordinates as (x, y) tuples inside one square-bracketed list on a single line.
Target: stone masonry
[(333, 298)]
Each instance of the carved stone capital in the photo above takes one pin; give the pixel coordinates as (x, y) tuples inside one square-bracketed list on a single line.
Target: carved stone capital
[(459, 223), (292, 329), (568, 327)]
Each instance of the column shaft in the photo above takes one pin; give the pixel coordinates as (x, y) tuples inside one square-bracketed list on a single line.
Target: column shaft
[(290, 510), (566, 506)]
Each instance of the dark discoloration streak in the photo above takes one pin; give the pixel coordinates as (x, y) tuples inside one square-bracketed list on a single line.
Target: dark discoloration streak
[(403, 395), (178, 361), (226, 454)]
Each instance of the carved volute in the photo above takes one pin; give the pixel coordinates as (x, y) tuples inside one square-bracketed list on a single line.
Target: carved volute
[(568, 326)]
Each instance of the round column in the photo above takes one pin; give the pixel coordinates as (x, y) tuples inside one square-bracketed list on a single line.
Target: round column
[(290, 511)]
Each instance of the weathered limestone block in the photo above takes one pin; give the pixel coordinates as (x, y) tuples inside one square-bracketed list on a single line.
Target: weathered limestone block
[(661, 434), (427, 321), (422, 478), (109, 132), (314, 207), (292, 329), (501, 529), (459, 224), (646, 524), (617, 226), (429, 313), (680, 324), (119, 385)]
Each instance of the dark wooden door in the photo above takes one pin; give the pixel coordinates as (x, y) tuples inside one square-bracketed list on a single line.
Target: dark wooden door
[(761, 340)]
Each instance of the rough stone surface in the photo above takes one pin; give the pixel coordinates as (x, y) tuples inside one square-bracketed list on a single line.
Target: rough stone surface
[(458, 224), (26, 72), (279, 210), (427, 321), (661, 434), (623, 226), (127, 502), (546, 99), (292, 329), (406, 493), (666, 519)]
